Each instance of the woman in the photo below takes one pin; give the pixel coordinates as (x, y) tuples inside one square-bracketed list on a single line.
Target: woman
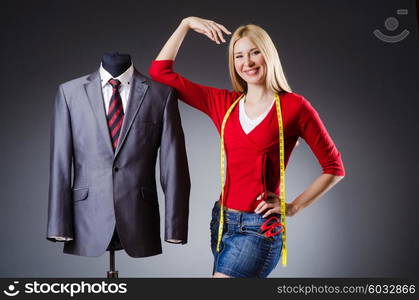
[(258, 118)]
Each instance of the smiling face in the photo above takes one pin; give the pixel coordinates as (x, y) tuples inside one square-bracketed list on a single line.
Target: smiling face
[(249, 62)]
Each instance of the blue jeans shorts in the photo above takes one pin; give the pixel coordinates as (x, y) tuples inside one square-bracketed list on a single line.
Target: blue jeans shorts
[(244, 251)]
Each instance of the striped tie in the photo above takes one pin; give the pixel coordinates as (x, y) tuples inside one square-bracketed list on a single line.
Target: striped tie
[(115, 112)]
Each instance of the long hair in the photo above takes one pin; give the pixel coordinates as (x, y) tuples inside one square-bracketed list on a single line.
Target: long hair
[(275, 77)]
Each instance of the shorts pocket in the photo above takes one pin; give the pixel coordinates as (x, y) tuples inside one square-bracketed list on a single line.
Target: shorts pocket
[(254, 230)]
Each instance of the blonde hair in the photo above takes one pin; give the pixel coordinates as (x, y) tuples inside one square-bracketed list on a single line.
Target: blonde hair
[(275, 77)]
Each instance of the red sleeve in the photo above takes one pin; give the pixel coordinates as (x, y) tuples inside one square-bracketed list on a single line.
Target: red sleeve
[(313, 131), (212, 101)]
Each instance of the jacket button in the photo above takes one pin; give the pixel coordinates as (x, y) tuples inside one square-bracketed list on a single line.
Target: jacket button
[(116, 169)]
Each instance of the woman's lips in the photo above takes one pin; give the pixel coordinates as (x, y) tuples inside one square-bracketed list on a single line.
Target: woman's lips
[(252, 72)]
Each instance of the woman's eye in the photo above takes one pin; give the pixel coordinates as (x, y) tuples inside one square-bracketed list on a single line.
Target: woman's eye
[(239, 56), (256, 52)]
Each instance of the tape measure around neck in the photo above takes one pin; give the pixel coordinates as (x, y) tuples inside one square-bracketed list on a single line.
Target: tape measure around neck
[(281, 177)]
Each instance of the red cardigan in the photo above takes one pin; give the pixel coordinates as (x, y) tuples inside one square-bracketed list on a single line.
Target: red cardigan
[(253, 159)]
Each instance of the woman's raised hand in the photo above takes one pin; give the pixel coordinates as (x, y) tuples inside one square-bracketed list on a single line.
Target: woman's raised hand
[(211, 29)]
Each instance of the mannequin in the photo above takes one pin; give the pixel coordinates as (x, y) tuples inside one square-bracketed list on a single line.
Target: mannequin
[(116, 64), (96, 185)]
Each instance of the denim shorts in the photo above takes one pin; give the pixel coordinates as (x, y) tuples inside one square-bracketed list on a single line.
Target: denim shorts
[(244, 251)]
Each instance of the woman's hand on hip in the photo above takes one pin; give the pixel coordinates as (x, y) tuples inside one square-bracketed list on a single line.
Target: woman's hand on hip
[(272, 205), (211, 29)]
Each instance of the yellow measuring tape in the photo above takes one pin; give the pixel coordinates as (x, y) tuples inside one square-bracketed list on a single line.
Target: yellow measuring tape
[(281, 177)]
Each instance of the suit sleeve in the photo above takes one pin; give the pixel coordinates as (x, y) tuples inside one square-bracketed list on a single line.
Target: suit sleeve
[(174, 173), (314, 132), (60, 208)]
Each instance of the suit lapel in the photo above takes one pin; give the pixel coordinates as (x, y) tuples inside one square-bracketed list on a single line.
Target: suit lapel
[(136, 98), (94, 93)]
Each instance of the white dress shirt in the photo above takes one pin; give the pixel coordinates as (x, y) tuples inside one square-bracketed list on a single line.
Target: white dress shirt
[(246, 123), (124, 90)]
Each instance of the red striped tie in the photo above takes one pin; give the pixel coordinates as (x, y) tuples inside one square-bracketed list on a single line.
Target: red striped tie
[(115, 113)]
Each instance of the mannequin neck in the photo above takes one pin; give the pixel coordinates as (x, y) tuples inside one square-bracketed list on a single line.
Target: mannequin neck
[(115, 63)]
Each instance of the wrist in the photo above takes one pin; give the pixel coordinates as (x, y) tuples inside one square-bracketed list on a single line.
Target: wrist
[(185, 23), (296, 206)]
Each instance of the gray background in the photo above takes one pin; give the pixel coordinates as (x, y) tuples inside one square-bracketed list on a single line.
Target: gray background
[(365, 90)]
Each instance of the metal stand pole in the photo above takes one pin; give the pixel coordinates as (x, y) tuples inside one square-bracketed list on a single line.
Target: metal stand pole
[(112, 273)]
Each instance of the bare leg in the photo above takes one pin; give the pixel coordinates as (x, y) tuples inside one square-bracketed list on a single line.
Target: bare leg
[(220, 275)]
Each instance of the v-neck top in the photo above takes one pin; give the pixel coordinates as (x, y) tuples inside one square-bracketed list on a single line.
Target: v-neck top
[(249, 124), (253, 158)]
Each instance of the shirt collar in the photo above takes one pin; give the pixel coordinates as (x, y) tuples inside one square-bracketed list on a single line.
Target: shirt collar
[(125, 78)]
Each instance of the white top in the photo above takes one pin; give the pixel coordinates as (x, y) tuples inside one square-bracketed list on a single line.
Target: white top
[(248, 124), (124, 90)]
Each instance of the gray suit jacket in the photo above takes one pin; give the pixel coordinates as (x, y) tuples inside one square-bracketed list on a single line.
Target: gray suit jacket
[(92, 189)]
